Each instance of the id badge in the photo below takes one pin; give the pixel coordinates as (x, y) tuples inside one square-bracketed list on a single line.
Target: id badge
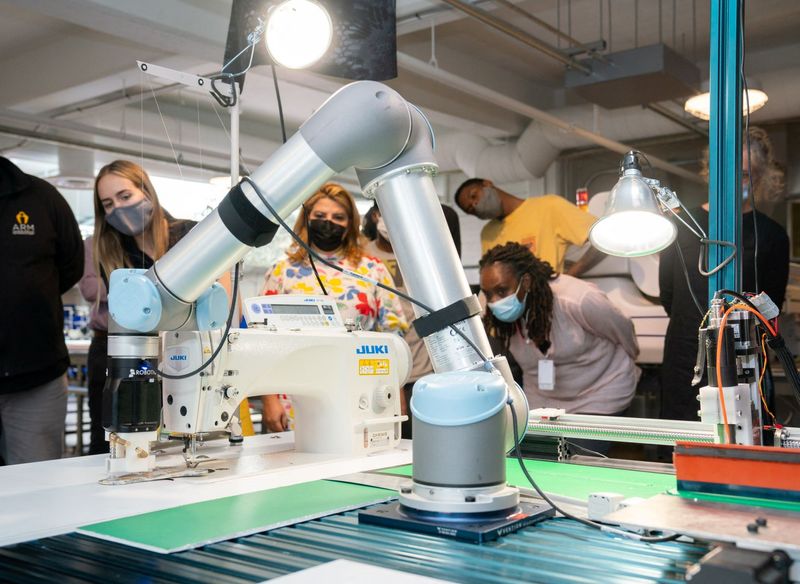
[(547, 375)]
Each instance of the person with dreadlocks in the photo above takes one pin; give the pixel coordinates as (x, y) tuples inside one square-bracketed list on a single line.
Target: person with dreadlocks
[(576, 350)]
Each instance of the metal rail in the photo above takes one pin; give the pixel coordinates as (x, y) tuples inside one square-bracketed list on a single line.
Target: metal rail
[(638, 430), (618, 429)]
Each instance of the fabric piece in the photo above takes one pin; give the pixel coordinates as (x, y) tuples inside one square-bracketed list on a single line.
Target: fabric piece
[(33, 422), (191, 526), (547, 225), (577, 480), (374, 308), (593, 346)]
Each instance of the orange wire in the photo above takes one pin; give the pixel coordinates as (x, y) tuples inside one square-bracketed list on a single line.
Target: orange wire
[(761, 379), (719, 359)]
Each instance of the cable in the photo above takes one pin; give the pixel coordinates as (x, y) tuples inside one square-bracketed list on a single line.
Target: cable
[(704, 244), (222, 99), (761, 379), (549, 501), (590, 451), (688, 280), (747, 138), (330, 264), (234, 296), (280, 103), (722, 324), (310, 257), (283, 137), (738, 296)]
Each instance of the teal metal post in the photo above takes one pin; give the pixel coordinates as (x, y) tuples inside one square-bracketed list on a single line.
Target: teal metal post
[(725, 143)]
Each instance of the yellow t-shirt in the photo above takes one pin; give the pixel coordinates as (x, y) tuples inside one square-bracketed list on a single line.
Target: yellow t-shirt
[(547, 225)]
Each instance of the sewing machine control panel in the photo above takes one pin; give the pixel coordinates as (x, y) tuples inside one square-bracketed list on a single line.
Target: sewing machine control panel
[(292, 312)]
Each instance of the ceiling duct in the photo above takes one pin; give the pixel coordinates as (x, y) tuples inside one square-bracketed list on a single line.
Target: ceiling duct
[(540, 144), (75, 169), (635, 77)]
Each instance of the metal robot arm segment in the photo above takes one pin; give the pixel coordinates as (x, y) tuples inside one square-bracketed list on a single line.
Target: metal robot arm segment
[(364, 124)]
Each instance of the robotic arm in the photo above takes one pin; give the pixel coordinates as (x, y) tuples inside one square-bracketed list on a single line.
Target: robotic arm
[(366, 125)]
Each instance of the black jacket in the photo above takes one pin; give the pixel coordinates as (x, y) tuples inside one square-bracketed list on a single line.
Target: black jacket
[(41, 257), (679, 398)]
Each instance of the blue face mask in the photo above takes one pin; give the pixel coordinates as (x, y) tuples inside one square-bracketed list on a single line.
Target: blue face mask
[(510, 308)]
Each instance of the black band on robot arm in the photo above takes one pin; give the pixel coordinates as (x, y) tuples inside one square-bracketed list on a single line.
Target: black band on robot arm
[(244, 220), (449, 315)]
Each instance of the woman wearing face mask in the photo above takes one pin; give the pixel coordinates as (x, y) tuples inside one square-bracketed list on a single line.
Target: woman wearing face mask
[(576, 350), (131, 230), (329, 223)]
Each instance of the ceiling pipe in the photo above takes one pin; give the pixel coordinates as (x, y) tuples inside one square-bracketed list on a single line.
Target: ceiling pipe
[(548, 27), (134, 154), (517, 34), (530, 155), (95, 132), (476, 90)]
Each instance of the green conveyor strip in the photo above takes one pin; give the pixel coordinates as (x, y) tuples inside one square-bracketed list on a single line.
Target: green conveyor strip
[(197, 524), (578, 481), (736, 500)]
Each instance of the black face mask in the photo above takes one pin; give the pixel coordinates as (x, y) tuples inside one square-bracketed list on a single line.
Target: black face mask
[(326, 235)]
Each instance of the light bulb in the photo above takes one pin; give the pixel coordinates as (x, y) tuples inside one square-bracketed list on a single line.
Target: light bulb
[(632, 233), (298, 33), (700, 105)]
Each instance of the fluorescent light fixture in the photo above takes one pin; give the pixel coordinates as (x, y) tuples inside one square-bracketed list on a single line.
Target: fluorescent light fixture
[(633, 224), (700, 105), (298, 33)]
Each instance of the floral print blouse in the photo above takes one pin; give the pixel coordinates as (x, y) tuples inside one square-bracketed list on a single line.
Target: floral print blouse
[(374, 308)]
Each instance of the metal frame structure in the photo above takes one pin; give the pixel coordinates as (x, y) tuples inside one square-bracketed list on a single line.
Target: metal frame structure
[(725, 142)]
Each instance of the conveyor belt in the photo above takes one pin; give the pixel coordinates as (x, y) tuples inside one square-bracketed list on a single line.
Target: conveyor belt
[(554, 551)]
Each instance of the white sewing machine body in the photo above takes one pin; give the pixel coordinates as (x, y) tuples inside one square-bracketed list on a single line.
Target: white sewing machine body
[(344, 384)]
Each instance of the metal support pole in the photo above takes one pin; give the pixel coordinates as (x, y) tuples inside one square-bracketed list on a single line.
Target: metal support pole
[(725, 143), (235, 134)]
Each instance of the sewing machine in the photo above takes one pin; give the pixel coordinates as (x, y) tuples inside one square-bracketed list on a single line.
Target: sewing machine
[(344, 383)]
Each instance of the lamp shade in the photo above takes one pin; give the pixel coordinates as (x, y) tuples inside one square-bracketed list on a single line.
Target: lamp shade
[(632, 224)]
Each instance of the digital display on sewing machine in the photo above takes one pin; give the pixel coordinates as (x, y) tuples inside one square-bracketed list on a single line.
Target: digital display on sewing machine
[(293, 309), (292, 312)]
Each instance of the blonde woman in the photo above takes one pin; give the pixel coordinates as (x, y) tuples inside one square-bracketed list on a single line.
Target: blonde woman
[(131, 230)]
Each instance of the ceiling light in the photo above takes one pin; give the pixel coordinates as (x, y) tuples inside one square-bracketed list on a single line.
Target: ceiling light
[(700, 105), (298, 33)]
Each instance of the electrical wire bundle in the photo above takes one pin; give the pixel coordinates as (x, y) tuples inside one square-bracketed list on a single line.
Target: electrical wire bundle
[(767, 330)]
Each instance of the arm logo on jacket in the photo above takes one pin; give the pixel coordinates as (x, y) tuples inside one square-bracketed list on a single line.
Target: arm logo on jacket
[(22, 226)]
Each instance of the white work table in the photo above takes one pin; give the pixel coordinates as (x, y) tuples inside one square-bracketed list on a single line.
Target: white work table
[(49, 498)]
